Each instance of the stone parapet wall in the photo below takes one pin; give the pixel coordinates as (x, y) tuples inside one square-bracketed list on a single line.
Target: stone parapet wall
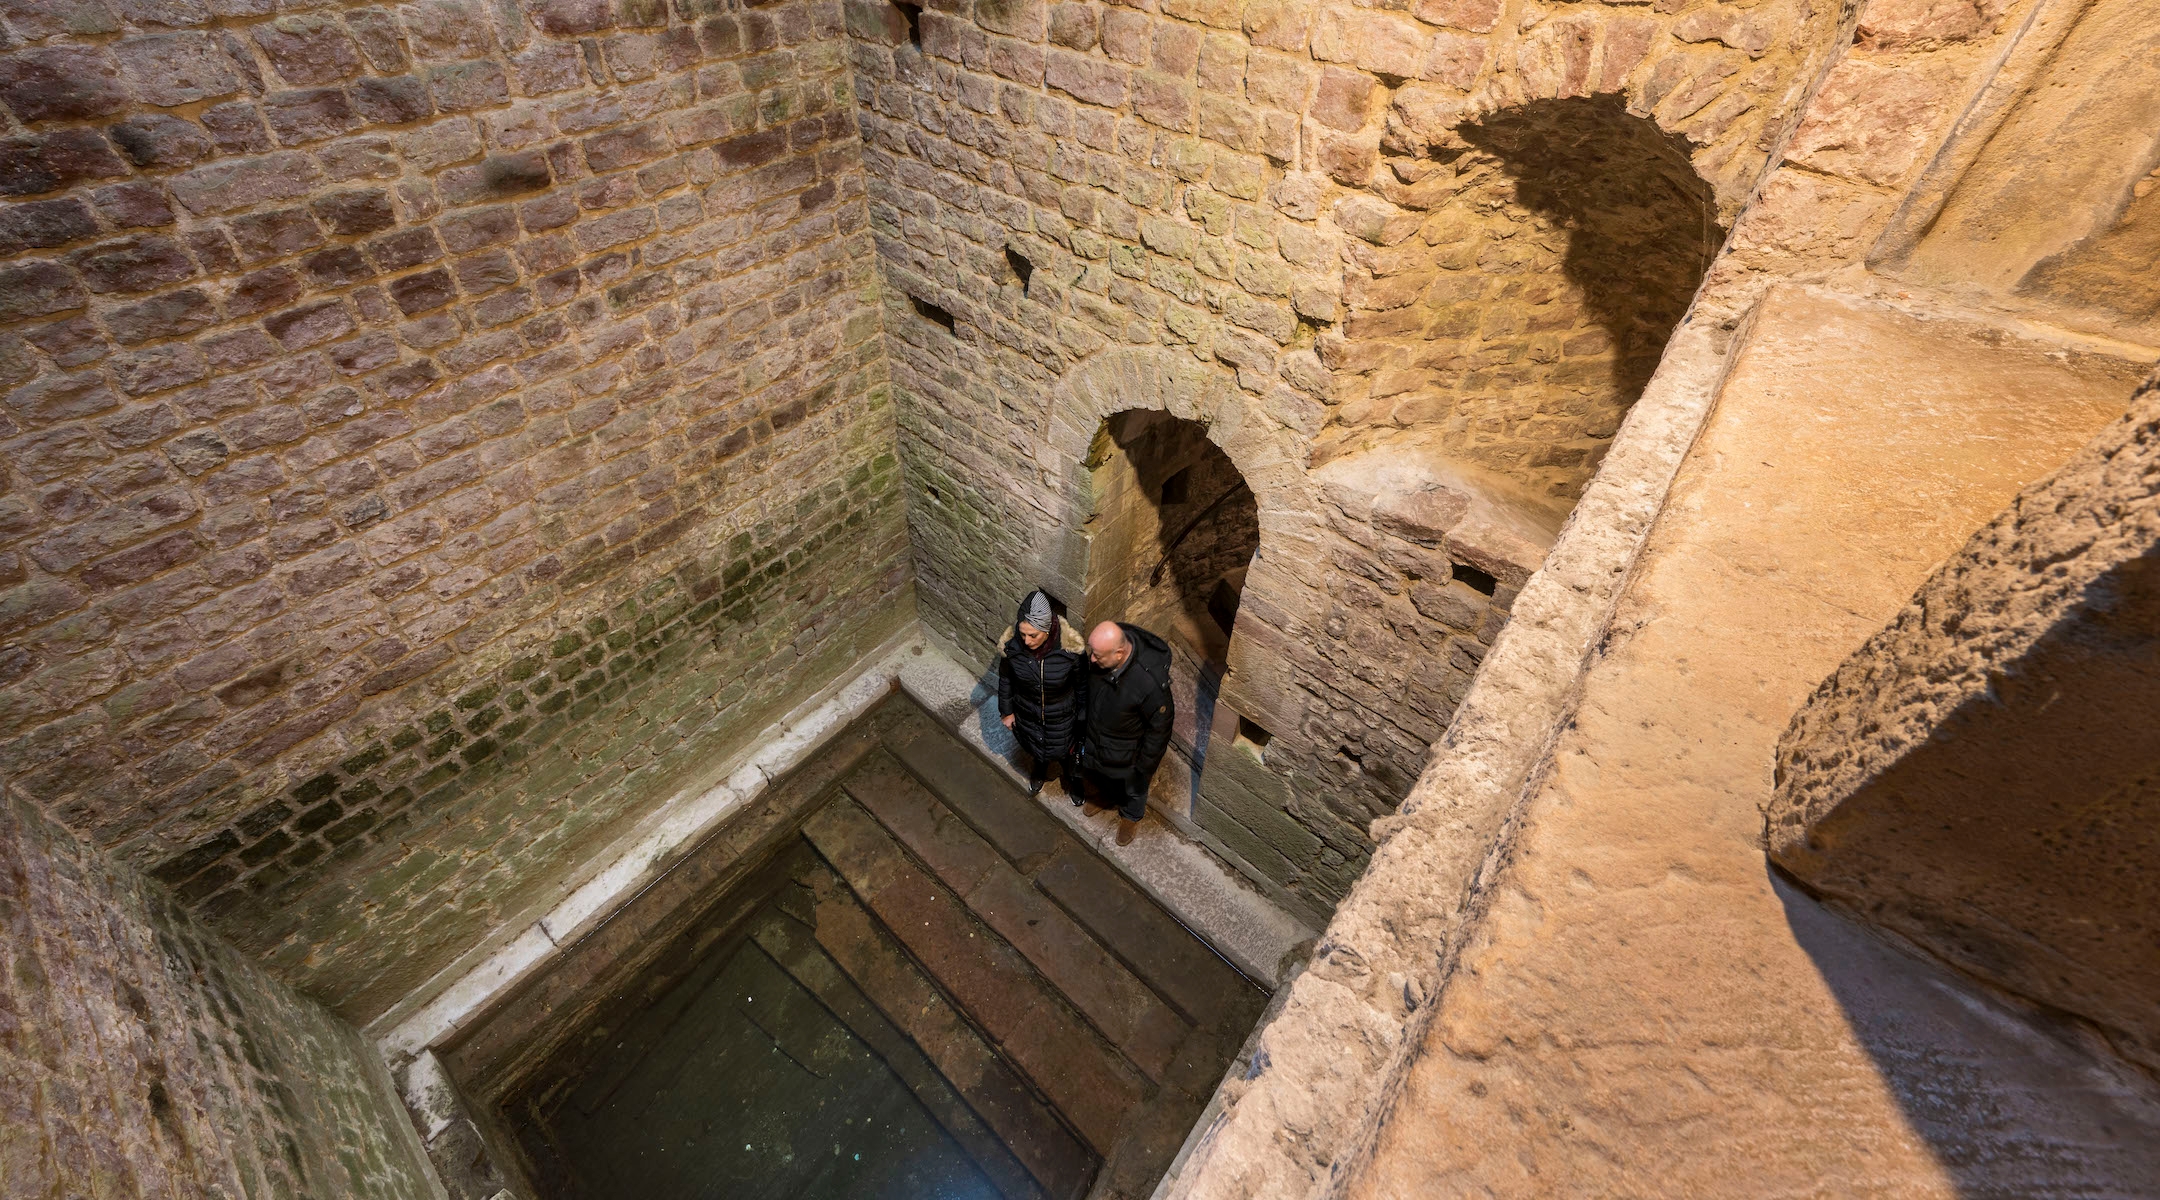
[(416, 414), (1980, 775), (145, 1057)]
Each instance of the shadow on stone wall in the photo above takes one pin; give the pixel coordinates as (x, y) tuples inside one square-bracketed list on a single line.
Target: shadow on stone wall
[(1641, 224), (1519, 318), (1975, 1074)]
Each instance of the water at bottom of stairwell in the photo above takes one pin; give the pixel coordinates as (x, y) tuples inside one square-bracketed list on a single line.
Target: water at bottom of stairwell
[(739, 1079), (928, 989)]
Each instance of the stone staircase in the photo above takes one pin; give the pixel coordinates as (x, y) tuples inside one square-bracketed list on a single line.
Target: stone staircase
[(1046, 1029), (1078, 1019)]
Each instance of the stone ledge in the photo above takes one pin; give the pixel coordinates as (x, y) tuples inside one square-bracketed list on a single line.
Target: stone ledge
[(459, 994), (1339, 1039)]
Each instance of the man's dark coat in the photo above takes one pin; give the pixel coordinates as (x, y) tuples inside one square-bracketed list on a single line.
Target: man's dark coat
[(1129, 716)]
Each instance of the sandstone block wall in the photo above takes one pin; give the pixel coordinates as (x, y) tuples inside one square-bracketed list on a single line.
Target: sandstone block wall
[(421, 422), (1251, 199), (1517, 322), (1981, 775), (145, 1057)]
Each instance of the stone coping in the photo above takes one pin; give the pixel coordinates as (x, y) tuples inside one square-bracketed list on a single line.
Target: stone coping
[(436, 1012), (1329, 1056)]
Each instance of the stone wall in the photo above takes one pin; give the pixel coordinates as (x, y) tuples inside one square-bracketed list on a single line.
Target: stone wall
[(1980, 776), (144, 1056), (1561, 242), (1209, 209), (419, 422)]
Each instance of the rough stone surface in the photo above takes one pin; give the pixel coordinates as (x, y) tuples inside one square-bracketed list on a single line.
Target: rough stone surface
[(1644, 999), (442, 428), (145, 1056), (1975, 776)]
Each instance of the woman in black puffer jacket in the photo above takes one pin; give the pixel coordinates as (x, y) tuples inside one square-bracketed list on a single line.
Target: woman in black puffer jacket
[(1040, 692)]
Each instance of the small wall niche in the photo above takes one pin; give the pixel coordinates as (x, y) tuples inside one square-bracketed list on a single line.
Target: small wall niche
[(1177, 489), (912, 14), (933, 314), (1251, 736), (1022, 269), (1476, 579)]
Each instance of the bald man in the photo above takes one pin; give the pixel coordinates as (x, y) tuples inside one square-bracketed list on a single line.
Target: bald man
[(1129, 711)]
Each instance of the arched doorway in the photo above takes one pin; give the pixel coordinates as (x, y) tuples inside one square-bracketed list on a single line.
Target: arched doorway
[(1172, 532), (1171, 536)]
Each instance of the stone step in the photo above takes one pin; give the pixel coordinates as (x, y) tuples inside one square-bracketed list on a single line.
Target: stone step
[(874, 963), (1002, 813), (1160, 950), (795, 948), (1088, 1080), (1170, 958), (1117, 1002)]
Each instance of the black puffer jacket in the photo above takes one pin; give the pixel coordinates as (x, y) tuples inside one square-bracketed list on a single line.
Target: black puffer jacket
[(1042, 691), (1129, 717)]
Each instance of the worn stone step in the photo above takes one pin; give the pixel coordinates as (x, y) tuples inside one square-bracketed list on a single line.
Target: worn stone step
[(795, 948), (1174, 962), (1037, 1136), (1126, 1010), (1088, 1080), (1004, 814), (1170, 958), (1052, 1153)]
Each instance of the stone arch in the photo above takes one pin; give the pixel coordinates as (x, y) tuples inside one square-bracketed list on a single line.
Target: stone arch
[(1723, 78), (1266, 452)]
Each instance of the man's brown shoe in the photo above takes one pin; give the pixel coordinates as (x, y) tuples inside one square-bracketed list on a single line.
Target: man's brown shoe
[(1126, 831)]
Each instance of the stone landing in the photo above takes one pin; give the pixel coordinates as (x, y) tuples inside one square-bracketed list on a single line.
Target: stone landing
[(1648, 1008)]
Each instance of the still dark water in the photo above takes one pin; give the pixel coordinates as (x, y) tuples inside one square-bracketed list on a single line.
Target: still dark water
[(739, 1083)]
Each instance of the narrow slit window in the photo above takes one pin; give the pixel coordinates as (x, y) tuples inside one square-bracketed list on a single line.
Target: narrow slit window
[(932, 313), (912, 13)]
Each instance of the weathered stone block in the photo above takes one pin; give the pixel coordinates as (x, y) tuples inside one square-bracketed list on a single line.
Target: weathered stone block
[(307, 49), (176, 68), (61, 83), (1868, 122), (1965, 776), (47, 162)]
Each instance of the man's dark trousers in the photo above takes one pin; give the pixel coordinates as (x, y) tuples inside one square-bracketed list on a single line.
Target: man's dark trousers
[(1125, 794)]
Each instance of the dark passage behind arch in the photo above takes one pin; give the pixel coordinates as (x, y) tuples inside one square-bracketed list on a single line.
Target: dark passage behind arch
[(1173, 530)]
